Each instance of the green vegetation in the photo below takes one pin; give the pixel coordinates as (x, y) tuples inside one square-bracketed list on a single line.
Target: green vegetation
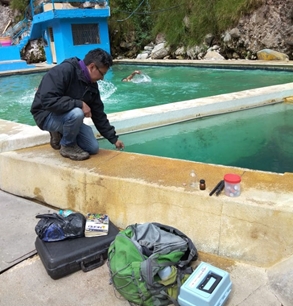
[(185, 22), (19, 5), (131, 21)]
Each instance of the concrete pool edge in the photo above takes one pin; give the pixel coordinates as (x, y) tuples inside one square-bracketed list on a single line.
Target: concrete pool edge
[(14, 136), (224, 64), (149, 117)]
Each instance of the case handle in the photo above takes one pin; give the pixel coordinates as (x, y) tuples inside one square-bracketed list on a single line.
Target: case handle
[(88, 266)]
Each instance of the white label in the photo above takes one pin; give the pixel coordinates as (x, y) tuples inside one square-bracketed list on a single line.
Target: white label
[(198, 276)]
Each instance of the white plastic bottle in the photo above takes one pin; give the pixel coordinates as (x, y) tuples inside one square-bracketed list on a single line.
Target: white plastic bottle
[(164, 273), (65, 212)]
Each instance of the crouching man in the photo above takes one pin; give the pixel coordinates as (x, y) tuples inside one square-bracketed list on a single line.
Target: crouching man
[(66, 95)]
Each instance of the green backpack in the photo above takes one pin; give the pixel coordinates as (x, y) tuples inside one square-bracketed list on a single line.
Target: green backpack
[(139, 253)]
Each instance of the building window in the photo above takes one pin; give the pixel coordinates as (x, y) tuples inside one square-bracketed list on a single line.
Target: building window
[(84, 34)]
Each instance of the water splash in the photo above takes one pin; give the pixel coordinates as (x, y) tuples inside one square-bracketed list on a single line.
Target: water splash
[(27, 97), (106, 89), (141, 78)]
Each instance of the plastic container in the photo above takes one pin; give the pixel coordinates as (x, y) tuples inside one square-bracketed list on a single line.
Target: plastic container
[(164, 273), (192, 179), (232, 185), (206, 286), (65, 212)]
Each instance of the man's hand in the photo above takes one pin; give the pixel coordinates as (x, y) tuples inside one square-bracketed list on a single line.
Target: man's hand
[(119, 145), (86, 110)]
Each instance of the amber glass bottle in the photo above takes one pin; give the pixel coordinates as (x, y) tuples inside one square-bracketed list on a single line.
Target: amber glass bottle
[(202, 185)]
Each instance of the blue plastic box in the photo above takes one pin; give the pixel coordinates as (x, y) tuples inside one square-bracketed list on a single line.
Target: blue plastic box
[(206, 286)]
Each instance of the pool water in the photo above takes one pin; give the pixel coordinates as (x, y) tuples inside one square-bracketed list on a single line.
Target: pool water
[(155, 86), (259, 139)]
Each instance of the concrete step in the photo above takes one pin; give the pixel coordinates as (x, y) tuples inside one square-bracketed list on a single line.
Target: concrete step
[(14, 65)]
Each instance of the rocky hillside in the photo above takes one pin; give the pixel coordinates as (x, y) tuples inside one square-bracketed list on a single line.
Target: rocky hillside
[(6, 15), (269, 27)]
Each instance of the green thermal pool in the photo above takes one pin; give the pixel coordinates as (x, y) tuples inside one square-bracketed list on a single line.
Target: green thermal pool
[(259, 139), (155, 86)]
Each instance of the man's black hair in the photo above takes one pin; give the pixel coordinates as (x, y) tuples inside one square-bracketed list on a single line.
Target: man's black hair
[(100, 57)]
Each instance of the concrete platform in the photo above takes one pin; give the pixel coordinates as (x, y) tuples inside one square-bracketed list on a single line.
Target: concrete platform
[(32, 286), (249, 236), (17, 229)]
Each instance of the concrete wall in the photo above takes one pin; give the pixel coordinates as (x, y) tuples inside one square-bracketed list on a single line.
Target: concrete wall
[(255, 228), (9, 53)]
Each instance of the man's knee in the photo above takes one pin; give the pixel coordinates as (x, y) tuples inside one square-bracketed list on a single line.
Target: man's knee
[(94, 149), (77, 113)]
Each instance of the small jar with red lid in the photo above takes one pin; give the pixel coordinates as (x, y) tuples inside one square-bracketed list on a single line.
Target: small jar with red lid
[(232, 185)]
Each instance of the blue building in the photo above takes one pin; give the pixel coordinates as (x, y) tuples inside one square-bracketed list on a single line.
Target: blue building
[(67, 29)]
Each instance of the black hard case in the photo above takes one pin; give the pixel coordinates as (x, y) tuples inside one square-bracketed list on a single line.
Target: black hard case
[(65, 257)]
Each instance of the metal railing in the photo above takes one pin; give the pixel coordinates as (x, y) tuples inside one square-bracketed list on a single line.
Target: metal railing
[(38, 8)]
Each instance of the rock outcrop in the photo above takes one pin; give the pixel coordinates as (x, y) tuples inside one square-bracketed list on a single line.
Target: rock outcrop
[(270, 55), (269, 27)]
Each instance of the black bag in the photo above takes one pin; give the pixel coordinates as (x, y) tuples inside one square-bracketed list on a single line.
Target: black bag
[(53, 227)]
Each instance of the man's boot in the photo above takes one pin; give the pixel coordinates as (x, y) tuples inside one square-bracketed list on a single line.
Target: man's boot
[(55, 140), (74, 152)]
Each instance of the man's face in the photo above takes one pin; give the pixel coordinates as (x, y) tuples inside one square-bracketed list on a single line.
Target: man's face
[(97, 73)]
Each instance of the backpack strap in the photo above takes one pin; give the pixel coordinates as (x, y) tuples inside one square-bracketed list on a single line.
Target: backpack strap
[(50, 216), (169, 298)]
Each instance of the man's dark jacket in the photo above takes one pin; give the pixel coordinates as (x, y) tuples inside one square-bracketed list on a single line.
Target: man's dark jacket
[(63, 88)]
